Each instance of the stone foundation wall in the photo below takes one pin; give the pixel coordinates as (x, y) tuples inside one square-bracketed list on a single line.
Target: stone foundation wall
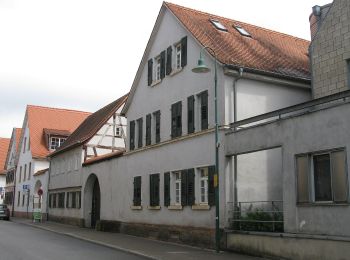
[(29, 215), (289, 246), (201, 237), (67, 220)]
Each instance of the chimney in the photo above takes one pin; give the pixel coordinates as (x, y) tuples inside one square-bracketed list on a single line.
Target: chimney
[(316, 18)]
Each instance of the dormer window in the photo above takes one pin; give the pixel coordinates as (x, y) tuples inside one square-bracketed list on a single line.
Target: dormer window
[(56, 142), (218, 25), (242, 31)]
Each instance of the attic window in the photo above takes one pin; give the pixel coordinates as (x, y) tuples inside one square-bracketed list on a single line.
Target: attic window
[(56, 142), (218, 25), (242, 31)]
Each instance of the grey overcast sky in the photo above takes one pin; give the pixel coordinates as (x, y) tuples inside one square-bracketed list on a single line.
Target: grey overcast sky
[(83, 54)]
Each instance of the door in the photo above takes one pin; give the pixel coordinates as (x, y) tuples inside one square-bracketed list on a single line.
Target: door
[(95, 209)]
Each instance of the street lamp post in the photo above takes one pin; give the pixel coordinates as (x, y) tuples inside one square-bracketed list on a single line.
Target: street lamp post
[(202, 68)]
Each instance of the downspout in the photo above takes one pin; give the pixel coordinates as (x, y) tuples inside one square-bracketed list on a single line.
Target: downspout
[(14, 192), (235, 192), (47, 195)]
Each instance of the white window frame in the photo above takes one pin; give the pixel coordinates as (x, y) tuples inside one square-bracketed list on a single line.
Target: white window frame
[(58, 142), (177, 187), (178, 57), (157, 65), (203, 174)]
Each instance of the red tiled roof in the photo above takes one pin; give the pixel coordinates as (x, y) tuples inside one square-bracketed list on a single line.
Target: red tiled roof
[(4, 147), (91, 125), (18, 137), (41, 172), (51, 118), (104, 157), (266, 51)]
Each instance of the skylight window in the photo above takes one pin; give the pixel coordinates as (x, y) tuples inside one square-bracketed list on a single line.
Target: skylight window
[(242, 31), (218, 25)]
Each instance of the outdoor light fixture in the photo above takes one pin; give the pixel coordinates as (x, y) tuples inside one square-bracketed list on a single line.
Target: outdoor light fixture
[(202, 68)]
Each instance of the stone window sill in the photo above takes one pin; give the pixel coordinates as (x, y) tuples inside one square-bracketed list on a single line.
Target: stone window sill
[(201, 207), (175, 71), (175, 207), (154, 207), (136, 207), (154, 83)]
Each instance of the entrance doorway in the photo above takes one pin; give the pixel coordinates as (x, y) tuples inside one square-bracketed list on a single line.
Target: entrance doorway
[(96, 202)]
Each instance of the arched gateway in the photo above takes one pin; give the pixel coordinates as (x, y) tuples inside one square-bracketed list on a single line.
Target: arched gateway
[(92, 201)]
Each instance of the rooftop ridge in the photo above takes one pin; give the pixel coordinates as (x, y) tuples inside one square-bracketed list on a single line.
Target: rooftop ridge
[(60, 109), (232, 20)]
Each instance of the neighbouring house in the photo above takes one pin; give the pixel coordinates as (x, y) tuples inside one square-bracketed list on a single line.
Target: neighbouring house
[(100, 136), (163, 184), (4, 146), (44, 130), (10, 167), (312, 142)]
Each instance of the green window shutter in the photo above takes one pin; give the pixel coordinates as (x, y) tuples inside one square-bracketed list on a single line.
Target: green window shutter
[(50, 200), (190, 114), (173, 120), (204, 110), (74, 199), (167, 189), (79, 199), (150, 72), (169, 55), (190, 187), (162, 64), (157, 115), (211, 188), (137, 191), (67, 201), (132, 135), (154, 189), (140, 135), (184, 51), (148, 129), (184, 188), (179, 119)]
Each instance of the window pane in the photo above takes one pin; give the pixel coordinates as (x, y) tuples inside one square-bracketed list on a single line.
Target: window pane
[(322, 178), (303, 178), (339, 177)]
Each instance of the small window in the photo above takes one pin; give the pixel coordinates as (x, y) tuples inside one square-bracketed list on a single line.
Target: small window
[(218, 25), (56, 142), (177, 177), (203, 185), (157, 68), (118, 131), (322, 177), (242, 31), (178, 56)]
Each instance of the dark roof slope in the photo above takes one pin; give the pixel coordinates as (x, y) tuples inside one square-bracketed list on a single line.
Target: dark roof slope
[(90, 126), (265, 51)]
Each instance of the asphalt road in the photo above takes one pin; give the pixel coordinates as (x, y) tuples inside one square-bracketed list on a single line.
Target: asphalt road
[(22, 242)]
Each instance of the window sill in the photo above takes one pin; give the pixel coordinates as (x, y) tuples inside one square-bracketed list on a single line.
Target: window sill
[(154, 207), (175, 71), (201, 207), (154, 83), (136, 207), (175, 207), (327, 203)]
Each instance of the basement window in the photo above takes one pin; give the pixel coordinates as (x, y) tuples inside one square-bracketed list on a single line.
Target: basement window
[(218, 25), (241, 30)]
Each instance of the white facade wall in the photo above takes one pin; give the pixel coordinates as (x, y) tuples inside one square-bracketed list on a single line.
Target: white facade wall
[(25, 159), (115, 176), (2, 185)]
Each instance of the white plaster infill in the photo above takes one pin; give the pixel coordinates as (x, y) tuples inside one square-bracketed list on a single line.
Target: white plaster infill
[(136, 207), (153, 207), (175, 207), (177, 139)]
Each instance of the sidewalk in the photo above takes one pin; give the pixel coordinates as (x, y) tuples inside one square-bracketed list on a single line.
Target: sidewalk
[(152, 249)]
